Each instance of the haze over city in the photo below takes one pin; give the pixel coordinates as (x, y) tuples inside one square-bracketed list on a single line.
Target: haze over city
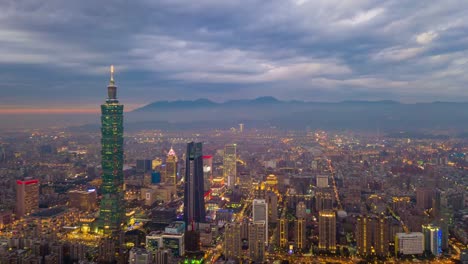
[(225, 132)]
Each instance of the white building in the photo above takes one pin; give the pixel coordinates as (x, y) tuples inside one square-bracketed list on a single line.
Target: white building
[(260, 214), (409, 243)]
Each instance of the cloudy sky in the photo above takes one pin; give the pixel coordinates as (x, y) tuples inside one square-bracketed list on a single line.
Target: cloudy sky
[(55, 53)]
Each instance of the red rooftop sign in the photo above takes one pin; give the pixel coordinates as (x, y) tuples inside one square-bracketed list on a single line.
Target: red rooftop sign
[(26, 182)]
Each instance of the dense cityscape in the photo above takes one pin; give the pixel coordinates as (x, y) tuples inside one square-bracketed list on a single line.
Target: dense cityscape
[(238, 195)]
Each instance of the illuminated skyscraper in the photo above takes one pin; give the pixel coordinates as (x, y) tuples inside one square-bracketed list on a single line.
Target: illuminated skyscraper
[(112, 208), (327, 230), (194, 203), (229, 165), (27, 197), (171, 167)]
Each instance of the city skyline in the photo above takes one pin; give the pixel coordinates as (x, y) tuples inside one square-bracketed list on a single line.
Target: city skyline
[(312, 50)]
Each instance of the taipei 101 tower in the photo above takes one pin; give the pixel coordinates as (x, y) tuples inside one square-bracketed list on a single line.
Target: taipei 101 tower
[(112, 208)]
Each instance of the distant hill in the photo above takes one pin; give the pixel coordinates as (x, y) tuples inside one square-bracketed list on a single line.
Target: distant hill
[(383, 115), (205, 103)]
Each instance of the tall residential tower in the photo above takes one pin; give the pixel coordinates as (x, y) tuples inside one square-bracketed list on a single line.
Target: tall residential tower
[(27, 196), (327, 230), (112, 208)]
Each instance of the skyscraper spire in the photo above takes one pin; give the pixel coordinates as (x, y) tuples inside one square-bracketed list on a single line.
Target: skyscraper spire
[(111, 88), (112, 75)]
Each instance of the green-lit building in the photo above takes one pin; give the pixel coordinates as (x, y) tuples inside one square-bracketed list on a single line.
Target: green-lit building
[(112, 208)]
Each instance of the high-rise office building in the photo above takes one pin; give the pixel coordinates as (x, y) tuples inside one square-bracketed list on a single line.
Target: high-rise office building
[(27, 197), (233, 240), (300, 233), (194, 203), (112, 208), (432, 239), (171, 167), (260, 214), (229, 165), (327, 230), (372, 235), (257, 241), (272, 201)]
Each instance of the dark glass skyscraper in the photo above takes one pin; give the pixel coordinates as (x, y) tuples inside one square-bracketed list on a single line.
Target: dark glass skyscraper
[(112, 208), (194, 203)]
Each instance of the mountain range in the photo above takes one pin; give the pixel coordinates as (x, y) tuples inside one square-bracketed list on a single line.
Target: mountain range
[(268, 111)]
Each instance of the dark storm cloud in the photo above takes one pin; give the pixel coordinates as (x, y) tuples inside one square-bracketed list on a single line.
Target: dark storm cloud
[(294, 49)]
